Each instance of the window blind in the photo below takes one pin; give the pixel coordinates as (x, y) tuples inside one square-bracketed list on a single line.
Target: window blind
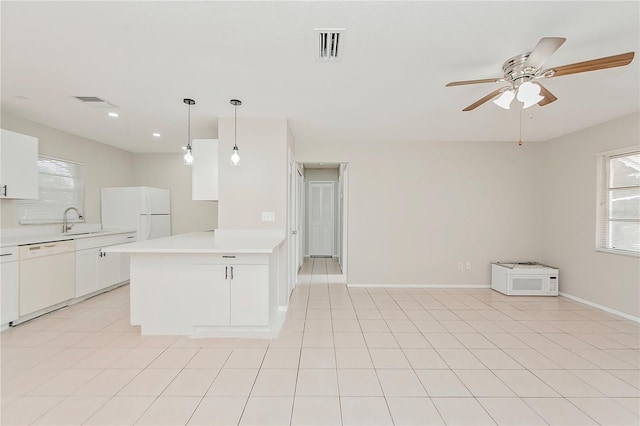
[(619, 201), (61, 185)]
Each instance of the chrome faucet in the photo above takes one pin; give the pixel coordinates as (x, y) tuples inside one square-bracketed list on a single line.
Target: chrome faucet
[(65, 226)]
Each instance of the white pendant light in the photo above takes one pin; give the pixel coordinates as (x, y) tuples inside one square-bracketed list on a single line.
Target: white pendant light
[(529, 94), (504, 101), (188, 154), (235, 156)]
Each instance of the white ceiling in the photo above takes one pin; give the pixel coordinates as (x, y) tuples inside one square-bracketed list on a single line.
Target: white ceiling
[(145, 57)]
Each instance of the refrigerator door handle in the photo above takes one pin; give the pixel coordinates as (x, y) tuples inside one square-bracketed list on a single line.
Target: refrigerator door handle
[(147, 199), (147, 224)]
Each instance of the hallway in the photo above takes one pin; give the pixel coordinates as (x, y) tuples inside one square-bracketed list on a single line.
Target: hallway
[(320, 270)]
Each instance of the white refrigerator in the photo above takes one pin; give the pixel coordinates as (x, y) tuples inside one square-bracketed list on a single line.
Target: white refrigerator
[(147, 210)]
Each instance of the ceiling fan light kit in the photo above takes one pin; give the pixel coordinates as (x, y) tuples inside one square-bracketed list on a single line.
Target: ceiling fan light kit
[(523, 72)]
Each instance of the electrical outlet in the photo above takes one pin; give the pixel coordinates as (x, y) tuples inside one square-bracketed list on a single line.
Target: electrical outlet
[(468, 266), (268, 216), (460, 266)]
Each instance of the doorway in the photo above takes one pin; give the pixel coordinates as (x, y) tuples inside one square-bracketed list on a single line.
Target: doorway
[(323, 218)]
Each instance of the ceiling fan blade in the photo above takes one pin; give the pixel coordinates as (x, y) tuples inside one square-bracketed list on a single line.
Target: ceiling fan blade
[(548, 96), (593, 65), (490, 96), (462, 83), (543, 51)]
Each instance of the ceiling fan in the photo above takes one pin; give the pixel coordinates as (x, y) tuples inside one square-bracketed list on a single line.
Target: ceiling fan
[(524, 72)]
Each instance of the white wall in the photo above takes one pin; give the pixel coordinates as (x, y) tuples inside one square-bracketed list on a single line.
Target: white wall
[(169, 171), (569, 217), (259, 183), (105, 165), (417, 209)]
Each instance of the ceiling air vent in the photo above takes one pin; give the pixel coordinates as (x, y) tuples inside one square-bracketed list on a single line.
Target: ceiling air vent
[(94, 101), (330, 43)]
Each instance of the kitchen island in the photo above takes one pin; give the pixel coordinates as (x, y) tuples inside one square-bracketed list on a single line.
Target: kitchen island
[(208, 284)]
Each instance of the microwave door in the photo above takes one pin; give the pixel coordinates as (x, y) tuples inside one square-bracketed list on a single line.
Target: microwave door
[(528, 284)]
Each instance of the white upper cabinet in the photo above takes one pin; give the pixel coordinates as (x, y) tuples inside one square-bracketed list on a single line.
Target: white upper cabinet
[(18, 166), (204, 170)]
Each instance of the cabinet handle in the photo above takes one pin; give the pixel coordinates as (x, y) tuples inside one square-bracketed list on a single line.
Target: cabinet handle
[(232, 272), (225, 256), (130, 237), (6, 254), (226, 272), (4, 190)]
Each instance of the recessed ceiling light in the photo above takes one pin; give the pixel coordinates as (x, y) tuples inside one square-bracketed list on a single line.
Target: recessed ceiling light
[(156, 134), (113, 114)]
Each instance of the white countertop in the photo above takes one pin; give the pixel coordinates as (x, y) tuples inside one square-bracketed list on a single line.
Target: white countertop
[(14, 238), (220, 241)]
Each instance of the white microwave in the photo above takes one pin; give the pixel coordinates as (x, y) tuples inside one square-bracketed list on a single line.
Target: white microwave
[(524, 279)]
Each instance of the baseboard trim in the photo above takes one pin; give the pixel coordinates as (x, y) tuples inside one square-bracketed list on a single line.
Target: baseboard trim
[(417, 286), (601, 307)]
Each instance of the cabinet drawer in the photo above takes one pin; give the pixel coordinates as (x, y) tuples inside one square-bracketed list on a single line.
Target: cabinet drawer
[(107, 240), (8, 254), (240, 259), (186, 259)]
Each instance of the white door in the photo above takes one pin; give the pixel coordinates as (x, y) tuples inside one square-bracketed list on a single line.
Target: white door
[(344, 173), (300, 219), (321, 218), (293, 220)]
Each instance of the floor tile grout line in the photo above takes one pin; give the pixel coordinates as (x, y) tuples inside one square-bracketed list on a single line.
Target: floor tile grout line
[(328, 295)]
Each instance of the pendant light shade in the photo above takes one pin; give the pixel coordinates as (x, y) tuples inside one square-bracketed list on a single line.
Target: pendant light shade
[(235, 155), (188, 155)]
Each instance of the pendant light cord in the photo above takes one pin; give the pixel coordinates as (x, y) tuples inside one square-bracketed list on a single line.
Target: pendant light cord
[(189, 128), (235, 126)]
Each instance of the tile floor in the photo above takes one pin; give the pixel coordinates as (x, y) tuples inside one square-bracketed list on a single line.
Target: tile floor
[(345, 356)]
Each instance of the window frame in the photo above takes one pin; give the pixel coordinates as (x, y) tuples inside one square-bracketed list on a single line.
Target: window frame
[(79, 183), (602, 202)]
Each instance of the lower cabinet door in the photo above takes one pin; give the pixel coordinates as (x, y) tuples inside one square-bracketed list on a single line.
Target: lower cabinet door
[(207, 294), (86, 271), (108, 269), (9, 293), (249, 286)]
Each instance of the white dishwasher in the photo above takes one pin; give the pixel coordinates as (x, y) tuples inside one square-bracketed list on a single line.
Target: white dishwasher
[(47, 275)]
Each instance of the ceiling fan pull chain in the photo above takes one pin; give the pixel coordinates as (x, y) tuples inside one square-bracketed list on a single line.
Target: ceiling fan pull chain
[(520, 139)]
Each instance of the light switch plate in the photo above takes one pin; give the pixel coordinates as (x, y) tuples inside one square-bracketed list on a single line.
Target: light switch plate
[(268, 216)]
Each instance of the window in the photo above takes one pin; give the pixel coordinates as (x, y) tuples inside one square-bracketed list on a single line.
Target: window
[(619, 201), (61, 185)]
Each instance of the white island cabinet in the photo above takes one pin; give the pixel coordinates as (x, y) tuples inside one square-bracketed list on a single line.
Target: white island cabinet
[(206, 284)]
